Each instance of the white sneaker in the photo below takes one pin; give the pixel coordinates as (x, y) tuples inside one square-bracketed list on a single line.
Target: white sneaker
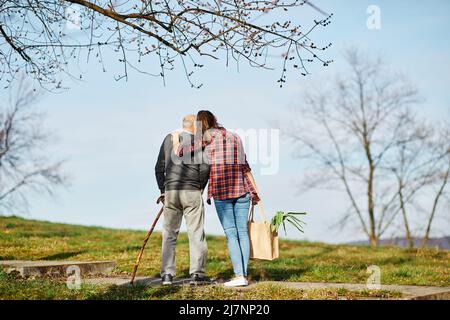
[(238, 282)]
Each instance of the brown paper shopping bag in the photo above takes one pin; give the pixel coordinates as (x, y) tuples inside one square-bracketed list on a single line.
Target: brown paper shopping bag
[(263, 240)]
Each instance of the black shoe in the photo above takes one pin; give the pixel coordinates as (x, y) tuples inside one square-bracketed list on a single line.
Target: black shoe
[(197, 279), (167, 279)]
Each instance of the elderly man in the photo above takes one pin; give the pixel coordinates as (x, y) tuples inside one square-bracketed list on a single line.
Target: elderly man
[(181, 184)]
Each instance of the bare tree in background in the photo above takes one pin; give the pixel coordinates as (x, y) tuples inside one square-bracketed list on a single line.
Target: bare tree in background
[(35, 38), (440, 186), (347, 132), (416, 165), (25, 166)]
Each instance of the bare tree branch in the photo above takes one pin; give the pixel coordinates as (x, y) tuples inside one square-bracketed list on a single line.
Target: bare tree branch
[(165, 33)]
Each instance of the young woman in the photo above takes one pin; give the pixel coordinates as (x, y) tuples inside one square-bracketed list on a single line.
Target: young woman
[(231, 185)]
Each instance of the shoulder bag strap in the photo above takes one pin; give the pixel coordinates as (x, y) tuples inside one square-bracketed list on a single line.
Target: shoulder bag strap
[(261, 212)]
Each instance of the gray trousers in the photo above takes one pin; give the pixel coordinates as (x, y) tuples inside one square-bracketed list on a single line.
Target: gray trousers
[(190, 204)]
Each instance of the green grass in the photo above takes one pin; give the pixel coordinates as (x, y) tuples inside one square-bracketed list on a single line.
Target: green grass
[(300, 261), (17, 288)]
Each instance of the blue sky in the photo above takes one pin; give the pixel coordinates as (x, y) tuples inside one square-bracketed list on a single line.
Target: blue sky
[(110, 132)]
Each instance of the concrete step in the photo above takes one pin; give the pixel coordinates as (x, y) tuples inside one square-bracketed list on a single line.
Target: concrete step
[(57, 268)]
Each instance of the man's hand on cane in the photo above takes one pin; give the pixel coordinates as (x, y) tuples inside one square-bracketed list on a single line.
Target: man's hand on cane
[(161, 198)]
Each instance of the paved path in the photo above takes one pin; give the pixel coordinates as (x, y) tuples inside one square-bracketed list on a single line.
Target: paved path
[(408, 292), (59, 268)]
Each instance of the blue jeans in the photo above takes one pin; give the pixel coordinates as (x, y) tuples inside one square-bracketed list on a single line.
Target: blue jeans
[(233, 215)]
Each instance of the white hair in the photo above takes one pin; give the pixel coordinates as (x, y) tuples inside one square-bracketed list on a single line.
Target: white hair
[(188, 121)]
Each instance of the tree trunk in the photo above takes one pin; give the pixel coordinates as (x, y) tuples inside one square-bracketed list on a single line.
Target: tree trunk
[(433, 210), (370, 202), (373, 241), (371, 207), (405, 217)]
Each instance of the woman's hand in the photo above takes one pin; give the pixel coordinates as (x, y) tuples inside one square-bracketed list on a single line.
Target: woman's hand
[(255, 199), (175, 140), (207, 136), (176, 135)]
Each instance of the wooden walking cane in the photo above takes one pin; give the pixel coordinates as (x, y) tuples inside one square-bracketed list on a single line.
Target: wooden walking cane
[(149, 233)]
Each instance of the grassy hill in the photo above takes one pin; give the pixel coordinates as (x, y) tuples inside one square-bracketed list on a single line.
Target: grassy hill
[(300, 261)]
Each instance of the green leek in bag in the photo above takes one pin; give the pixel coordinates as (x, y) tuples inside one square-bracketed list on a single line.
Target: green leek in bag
[(280, 218)]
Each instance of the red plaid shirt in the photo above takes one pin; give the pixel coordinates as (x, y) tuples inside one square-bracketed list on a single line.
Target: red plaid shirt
[(225, 153)]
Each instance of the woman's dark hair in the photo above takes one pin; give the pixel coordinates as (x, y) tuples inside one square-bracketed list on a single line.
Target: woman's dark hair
[(207, 119)]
